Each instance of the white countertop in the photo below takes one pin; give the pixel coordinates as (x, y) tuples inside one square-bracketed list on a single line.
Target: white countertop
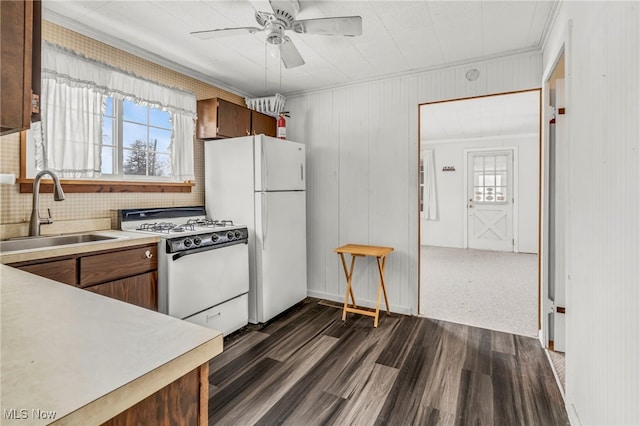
[(84, 356), (122, 239)]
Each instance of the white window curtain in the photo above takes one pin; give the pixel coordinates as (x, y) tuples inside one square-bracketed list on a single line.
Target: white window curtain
[(74, 90), (430, 203)]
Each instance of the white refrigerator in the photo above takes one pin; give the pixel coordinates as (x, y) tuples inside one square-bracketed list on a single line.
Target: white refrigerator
[(259, 181)]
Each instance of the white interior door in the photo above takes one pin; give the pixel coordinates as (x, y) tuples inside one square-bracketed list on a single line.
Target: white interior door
[(490, 200)]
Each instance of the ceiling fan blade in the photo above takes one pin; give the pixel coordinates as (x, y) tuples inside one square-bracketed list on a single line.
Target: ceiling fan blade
[(225, 32), (261, 6), (343, 25), (290, 56)]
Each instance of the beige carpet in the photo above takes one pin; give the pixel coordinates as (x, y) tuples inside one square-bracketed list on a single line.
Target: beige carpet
[(487, 289)]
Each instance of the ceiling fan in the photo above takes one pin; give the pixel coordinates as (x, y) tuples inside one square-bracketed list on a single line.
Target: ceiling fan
[(277, 16)]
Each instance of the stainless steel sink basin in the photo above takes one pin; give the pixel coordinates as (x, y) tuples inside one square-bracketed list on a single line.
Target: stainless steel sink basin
[(40, 242)]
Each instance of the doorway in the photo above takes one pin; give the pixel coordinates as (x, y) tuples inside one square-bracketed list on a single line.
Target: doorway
[(479, 237)]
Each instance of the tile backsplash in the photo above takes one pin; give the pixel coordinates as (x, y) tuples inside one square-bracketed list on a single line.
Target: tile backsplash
[(16, 207)]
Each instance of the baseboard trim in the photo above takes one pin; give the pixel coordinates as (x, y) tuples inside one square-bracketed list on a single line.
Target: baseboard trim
[(398, 309)]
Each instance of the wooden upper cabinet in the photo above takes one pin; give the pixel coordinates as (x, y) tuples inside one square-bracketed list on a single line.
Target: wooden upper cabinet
[(218, 118), (262, 124), (20, 30)]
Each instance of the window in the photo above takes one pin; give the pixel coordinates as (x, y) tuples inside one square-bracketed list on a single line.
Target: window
[(427, 195), (490, 178), (136, 140), (101, 123)]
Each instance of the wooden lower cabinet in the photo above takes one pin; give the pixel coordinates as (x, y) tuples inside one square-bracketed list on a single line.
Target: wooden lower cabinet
[(183, 402), (129, 274), (141, 290), (105, 267)]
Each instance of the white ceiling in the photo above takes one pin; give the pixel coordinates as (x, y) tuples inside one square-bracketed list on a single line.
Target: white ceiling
[(489, 116), (398, 37)]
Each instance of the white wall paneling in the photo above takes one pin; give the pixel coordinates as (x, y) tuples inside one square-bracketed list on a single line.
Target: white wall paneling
[(362, 156), (602, 45)]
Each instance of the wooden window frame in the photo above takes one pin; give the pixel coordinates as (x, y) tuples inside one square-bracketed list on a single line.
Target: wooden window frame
[(94, 186)]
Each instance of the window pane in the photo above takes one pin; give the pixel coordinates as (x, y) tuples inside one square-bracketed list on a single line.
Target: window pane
[(478, 179), (107, 131), (489, 180), (159, 139), (109, 107), (489, 163), (501, 162), (135, 162), (133, 112), (134, 136), (159, 164), (478, 164), (106, 166), (159, 118)]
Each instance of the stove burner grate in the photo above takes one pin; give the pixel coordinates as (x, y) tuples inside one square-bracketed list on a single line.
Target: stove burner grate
[(209, 223)]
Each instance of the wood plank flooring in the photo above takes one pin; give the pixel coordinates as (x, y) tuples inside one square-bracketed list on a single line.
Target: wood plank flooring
[(308, 367)]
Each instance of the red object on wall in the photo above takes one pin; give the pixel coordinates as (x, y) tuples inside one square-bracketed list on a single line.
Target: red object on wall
[(282, 126)]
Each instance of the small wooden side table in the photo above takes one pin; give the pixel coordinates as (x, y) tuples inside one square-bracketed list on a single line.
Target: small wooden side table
[(357, 250)]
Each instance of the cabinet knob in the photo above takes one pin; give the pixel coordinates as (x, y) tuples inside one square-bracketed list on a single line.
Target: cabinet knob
[(148, 254)]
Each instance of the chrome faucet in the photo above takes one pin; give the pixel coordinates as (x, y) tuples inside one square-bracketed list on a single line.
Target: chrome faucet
[(58, 195)]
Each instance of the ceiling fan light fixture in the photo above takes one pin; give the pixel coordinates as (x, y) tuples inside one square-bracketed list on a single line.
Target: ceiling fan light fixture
[(275, 35)]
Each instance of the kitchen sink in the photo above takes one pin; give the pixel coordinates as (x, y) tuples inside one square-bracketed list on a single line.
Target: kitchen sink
[(56, 241)]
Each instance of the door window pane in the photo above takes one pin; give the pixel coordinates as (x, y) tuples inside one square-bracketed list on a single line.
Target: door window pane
[(490, 178)]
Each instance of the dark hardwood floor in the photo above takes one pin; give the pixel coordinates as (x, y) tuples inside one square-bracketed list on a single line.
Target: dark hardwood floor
[(308, 367)]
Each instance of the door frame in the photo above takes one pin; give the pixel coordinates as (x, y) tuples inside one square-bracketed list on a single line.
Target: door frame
[(541, 120), (514, 194), (546, 306)]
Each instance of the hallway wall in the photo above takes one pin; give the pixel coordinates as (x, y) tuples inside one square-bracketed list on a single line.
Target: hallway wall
[(602, 54)]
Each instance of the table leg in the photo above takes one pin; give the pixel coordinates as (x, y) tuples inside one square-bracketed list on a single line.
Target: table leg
[(381, 289), (348, 274), (383, 283)]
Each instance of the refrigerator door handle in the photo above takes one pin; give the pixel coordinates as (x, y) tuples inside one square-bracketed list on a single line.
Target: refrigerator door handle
[(265, 172), (301, 172), (264, 219)]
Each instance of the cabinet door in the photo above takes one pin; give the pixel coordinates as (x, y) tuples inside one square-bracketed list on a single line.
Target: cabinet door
[(262, 124), (100, 268), (20, 35), (207, 124), (182, 402), (140, 290), (63, 271), (233, 120)]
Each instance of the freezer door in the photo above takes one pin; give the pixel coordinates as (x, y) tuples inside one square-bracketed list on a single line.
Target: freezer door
[(281, 252), (280, 164)]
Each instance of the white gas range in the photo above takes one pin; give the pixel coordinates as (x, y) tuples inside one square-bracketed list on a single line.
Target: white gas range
[(203, 264)]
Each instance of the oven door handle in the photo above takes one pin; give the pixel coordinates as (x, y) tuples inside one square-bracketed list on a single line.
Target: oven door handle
[(196, 250)]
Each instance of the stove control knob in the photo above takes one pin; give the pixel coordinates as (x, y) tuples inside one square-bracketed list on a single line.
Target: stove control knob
[(229, 235), (238, 235), (187, 242), (197, 241), (214, 238)]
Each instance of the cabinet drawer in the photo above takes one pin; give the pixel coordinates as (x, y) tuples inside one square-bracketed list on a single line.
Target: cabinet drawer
[(105, 267), (226, 317), (63, 271)]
